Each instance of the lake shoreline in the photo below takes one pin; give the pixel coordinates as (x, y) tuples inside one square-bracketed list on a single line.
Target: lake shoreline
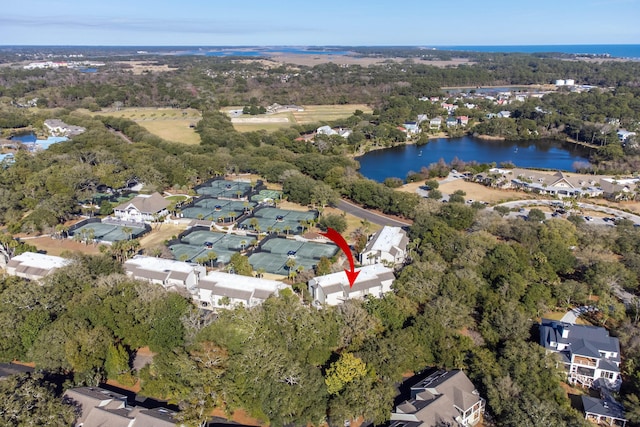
[(402, 159)]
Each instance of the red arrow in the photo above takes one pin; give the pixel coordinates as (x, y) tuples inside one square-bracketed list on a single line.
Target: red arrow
[(342, 244)]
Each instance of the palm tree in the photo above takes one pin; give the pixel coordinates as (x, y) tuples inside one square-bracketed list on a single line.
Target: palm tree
[(91, 235), (202, 260), (211, 256), (291, 263), (128, 230), (260, 272), (243, 244), (287, 229)]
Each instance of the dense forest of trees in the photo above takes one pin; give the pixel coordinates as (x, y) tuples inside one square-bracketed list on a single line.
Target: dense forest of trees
[(469, 298)]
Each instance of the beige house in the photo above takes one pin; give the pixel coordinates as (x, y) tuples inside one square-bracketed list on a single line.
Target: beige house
[(99, 407), (35, 266), (143, 208), (446, 398)]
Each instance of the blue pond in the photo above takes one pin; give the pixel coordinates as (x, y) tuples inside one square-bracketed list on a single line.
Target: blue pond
[(540, 154)]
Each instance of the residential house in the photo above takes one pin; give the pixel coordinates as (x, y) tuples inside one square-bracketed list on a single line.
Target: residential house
[(412, 128), (604, 411), (143, 208), (446, 398), (57, 127), (624, 135), (388, 245), (449, 107), (169, 273), (463, 120), (435, 123), (224, 290), (103, 402), (333, 289), (451, 122), (325, 130), (586, 352), (504, 114), (421, 118), (35, 266), (99, 407)]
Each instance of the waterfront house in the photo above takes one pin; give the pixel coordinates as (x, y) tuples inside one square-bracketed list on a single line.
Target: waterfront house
[(443, 398), (435, 123), (35, 266), (332, 289), (388, 245), (57, 127), (143, 208), (412, 128), (587, 353), (463, 120), (451, 122)]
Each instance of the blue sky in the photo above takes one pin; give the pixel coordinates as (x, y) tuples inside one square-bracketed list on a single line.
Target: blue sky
[(327, 22)]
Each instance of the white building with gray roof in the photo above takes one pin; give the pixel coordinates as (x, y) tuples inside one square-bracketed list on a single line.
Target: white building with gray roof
[(35, 266), (223, 290), (171, 274), (333, 289), (389, 245), (143, 208), (587, 353)]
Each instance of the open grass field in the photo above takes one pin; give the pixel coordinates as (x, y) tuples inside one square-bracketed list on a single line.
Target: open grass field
[(311, 114), (157, 236), (172, 124)]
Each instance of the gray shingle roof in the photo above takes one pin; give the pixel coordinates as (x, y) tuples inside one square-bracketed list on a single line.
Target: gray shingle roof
[(146, 204), (583, 340), (607, 408)]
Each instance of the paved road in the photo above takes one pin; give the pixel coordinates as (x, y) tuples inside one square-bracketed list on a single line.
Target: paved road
[(372, 217)]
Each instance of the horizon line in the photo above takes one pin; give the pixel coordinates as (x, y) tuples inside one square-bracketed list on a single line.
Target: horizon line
[(424, 46)]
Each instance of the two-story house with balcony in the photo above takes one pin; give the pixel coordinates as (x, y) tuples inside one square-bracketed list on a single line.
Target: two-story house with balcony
[(587, 352)]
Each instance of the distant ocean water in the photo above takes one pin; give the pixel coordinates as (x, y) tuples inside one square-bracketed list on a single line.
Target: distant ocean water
[(614, 50)]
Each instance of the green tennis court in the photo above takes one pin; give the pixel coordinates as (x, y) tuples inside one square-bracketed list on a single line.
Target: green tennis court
[(213, 209), (275, 253), (107, 232), (199, 243), (278, 220), (265, 195), (223, 188)]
